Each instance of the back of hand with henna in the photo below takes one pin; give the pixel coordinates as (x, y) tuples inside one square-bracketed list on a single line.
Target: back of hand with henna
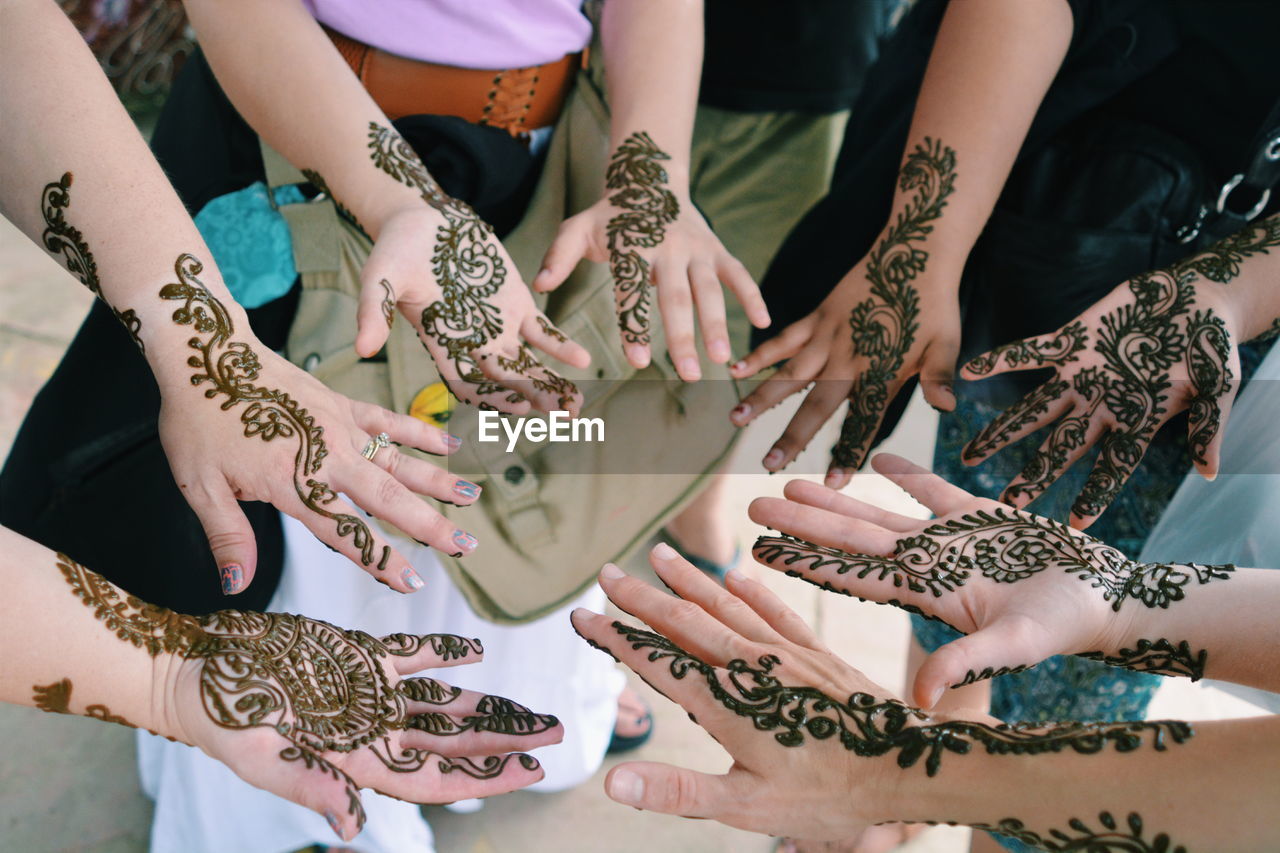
[(1159, 344)]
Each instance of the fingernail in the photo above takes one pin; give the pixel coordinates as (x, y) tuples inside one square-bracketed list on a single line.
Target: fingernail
[(232, 576), (735, 575), (334, 824), (741, 411), (689, 369), (451, 441), (412, 578), (936, 695), (834, 476), (465, 540), (718, 350), (626, 787), (612, 572), (663, 551), (739, 366), (466, 489), (773, 459)]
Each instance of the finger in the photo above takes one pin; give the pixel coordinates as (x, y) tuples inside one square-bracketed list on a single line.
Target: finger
[(1206, 426), (708, 295), (928, 488), (542, 333), (867, 404), (312, 782), (675, 302), (792, 377), (497, 725), (1054, 348), (783, 346), (1071, 438), (374, 313), (823, 527), (1119, 454), (1039, 408), (383, 497), (632, 286), (819, 496), (468, 383), (668, 790), (570, 246), (421, 776), (337, 524), (735, 276), (815, 410), (683, 622), (1006, 646), (423, 478), (415, 652), (938, 373), (693, 585), (775, 613), (524, 374), (235, 551), (404, 429)]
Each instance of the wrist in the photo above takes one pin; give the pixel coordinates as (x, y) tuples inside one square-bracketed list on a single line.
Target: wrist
[(172, 677)]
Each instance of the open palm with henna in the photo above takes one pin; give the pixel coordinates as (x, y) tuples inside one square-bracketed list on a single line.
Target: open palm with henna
[(1159, 344), (1022, 587), (313, 712)]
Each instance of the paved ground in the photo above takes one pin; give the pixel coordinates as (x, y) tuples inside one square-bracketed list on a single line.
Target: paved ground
[(68, 784)]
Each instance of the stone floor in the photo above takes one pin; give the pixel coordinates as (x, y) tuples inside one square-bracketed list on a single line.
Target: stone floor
[(69, 784)]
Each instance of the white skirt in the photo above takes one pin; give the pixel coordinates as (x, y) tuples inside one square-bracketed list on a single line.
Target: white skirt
[(200, 805)]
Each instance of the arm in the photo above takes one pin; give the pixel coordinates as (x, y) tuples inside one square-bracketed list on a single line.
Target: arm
[(1021, 587), (1113, 387), (896, 313), (820, 752), (243, 686), (237, 421), (646, 226), (315, 112)]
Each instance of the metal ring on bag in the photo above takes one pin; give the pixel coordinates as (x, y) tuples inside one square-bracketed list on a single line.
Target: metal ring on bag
[(1230, 186)]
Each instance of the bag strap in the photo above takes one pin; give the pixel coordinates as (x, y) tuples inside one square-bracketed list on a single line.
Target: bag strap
[(1245, 194)]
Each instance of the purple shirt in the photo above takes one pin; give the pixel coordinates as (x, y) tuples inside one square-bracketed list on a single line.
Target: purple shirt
[(464, 33)]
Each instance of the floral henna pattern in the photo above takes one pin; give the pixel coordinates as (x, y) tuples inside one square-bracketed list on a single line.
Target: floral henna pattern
[(228, 369), (638, 180), (1161, 657), (870, 726), (884, 325), (1109, 837), (1004, 546), (61, 238), (388, 303), (56, 699)]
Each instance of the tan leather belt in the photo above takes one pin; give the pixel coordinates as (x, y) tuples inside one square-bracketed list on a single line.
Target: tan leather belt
[(515, 99)]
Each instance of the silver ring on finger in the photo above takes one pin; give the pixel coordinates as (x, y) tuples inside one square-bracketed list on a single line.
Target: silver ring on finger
[(373, 445)]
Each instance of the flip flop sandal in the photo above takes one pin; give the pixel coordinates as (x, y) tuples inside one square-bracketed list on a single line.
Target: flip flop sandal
[(710, 568), (625, 743)]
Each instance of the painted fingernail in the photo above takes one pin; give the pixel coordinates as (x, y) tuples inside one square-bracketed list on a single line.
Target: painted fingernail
[(466, 489), (739, 366), (465, 540), (451, 441), (334, 824), (626, 787), (689, 368), (774, 458), (232, 576), (741, 412), (612, 572), (663, 551), (412, 579), (834, 476)]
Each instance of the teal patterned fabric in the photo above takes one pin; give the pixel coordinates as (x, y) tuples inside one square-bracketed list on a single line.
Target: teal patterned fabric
[(250, 242)]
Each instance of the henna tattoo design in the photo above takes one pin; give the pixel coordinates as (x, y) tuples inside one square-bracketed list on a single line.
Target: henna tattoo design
[(490, 767), (884, 325), (56, 699), (870, 726), (555, 334), (1159, 656), (1139, 343), (62, 238), (1004, 546), (230, 368), (469, 269), (973, 676), (388, 303), (639, 180), (493, 714), (1110, 837)]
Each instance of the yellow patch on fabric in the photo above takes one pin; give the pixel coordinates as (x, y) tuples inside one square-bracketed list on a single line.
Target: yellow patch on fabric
[(433, 404)]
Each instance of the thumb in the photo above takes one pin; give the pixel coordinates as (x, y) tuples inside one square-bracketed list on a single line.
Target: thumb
[(938, 373), (571, 244), (668, 790), (230, 536), (999, 649), (375, 313), (1206, 428)]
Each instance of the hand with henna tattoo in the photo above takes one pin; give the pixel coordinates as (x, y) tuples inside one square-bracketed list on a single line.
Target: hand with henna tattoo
[(443, 268), (894, 315), (655, 242), (819, 751), (1021, 587), (1157, 345)]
